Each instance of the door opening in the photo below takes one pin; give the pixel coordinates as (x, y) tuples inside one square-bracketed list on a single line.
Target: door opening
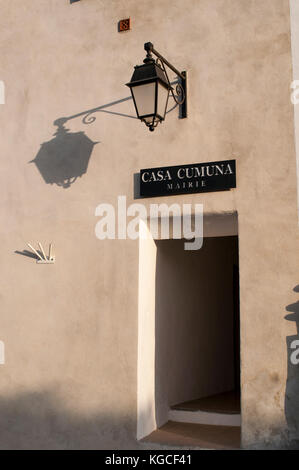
[(189, 338), (197, 345)]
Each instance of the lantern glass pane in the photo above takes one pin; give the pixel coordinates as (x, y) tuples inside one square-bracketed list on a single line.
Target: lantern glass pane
[(144, 96), (162, 100)]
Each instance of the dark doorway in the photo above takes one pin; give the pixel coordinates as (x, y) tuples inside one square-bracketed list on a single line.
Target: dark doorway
[(197, 343)]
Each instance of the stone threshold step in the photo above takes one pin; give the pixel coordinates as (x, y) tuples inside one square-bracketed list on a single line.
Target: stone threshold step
[(196, 436)]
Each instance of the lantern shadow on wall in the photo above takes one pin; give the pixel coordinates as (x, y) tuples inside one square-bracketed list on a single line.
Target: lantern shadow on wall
[(65, 158)]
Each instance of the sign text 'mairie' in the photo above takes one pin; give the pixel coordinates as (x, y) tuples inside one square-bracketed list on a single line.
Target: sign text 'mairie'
[(184, 179)]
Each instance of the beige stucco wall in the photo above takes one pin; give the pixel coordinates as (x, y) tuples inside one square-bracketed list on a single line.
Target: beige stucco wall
[(70, 329), (294, 20)]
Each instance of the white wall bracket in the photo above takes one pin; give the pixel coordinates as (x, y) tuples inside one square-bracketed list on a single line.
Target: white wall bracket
[(42, 258)]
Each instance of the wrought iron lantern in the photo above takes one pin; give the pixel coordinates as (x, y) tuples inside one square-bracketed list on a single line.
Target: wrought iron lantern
[(150, 88)]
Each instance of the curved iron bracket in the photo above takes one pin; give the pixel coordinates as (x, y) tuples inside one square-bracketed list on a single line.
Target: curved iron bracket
[(181, 87)]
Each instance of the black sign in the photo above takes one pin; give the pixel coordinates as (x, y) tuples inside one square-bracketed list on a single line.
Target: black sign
[(184, 179)]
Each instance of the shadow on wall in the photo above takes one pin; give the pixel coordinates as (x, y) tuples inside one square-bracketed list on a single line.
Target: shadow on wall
[(38, 420), (65, 158), (29, 254), (292, 385)]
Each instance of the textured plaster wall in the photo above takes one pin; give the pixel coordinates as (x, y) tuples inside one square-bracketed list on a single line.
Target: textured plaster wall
[(294, 16), (70, 329)]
